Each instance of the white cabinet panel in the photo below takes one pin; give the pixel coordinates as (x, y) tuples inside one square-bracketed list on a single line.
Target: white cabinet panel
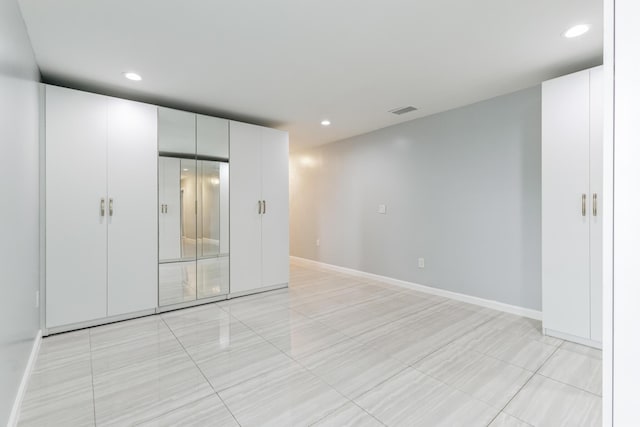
[(213, 136), (565, 226), (176, 131), (132, 219), (101, 199), (596, 177), (275, 220), (245, 193), (76, 231), (169, 217)]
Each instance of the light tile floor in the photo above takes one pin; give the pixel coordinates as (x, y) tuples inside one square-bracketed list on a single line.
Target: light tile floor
[(331, 350)]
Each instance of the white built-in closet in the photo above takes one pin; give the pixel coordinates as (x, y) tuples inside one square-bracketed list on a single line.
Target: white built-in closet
[(117, 192), (572, 176)]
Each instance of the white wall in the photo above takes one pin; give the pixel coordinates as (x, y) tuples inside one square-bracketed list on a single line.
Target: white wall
[(462, 190), (626, 221), (19, 202)]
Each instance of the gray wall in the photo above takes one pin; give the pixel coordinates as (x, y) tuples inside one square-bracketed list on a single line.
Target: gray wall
[(19, 223), (462, 190)]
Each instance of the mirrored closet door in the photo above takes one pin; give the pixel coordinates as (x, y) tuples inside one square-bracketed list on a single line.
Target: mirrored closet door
[(193, 199), (213, 229), (177, 230)]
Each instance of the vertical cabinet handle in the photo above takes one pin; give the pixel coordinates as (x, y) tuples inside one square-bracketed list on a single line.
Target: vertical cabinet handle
[(259, 207), (102, 207), (595, 204), (110, 207), (166, 208), (264, 206), (584, 205)]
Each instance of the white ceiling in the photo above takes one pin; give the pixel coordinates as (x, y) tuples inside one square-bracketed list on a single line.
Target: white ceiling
[(292, 63)]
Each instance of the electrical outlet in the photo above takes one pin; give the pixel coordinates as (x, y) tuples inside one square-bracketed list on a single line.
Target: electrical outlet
[(318, 242), (37, 299), (420, 262)]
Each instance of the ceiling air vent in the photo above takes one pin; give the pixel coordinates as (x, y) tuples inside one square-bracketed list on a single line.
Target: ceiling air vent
[(403, 110)]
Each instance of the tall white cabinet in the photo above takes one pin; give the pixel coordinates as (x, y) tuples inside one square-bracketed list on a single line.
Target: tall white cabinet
[(259, 208), (101, 194), (572, 168)]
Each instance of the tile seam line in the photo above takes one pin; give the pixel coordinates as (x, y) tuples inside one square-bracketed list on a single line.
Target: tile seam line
[(93, 387), (571, 385), (314, 375), (201, 373), (410, 365), (523, 386), (171, 411), (385, 323)]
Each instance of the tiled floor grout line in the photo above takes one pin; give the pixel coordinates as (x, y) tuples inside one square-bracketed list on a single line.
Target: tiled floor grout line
[(570, 385), (449, 342), (312, 373), (316, 422), (485, 354), (283, 321), (93, 388), (348, 306), (355, 337), (348, 337), (533, 374), (201, 373), (178, 408), (248, 345), (385, 323), (412, 365)]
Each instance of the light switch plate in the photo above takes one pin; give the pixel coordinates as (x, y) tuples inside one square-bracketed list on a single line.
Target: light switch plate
[(420, 262), (382, 209)]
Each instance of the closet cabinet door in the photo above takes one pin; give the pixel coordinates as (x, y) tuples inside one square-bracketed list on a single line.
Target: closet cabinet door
[(565, 204), (169, 225), (76, 230), (245, 220), (275, 220), (212, 135), (131, 209), (596, 169)]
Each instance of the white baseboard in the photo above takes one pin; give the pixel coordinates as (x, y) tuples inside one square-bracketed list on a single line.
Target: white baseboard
[(573, 338), (495, 305), (17, 404), (257, 291), (97, 322)]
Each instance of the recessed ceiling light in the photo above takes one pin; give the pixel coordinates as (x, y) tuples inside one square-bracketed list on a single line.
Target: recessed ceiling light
[(185, 169), (325, 123), (576, 31), (133, 76)]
